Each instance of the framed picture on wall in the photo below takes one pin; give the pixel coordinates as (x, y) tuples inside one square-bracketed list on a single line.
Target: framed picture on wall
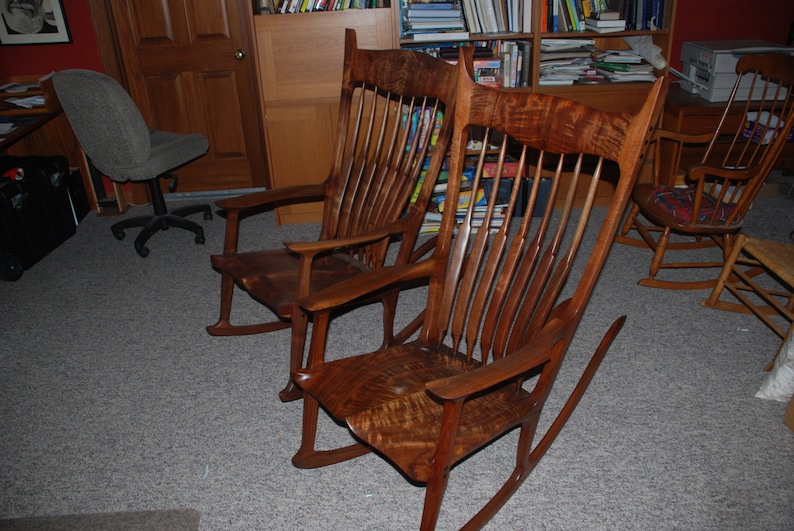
[(33, 22)]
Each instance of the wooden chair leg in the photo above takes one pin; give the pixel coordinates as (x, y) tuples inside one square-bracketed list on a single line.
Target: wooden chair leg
[(389, 302), (442, 463), (628, 224), (434, 495), (309, 457), (300, 326), (631, 223), (520, 473), (224, 327), (727, 269), (658, 254), (227, 292)]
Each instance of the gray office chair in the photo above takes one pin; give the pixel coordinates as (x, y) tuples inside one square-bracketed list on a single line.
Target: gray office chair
[(117, 141)]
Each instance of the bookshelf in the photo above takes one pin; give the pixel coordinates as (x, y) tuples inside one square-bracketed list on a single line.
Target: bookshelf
[(300, 66), (608, 95)]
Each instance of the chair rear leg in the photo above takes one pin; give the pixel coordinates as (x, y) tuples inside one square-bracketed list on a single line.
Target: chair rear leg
[(389, 301)]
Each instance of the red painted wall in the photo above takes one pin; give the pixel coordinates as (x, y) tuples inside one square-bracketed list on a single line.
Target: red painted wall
[(696, 20), (38, 59), (719, 20)]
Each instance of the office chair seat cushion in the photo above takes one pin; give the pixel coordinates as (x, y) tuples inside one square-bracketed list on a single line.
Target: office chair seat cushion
[(168, 152), (679, 203)]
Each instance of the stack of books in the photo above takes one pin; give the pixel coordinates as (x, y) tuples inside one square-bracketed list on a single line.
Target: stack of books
[(433, 21), (605, 22), (438, 203), (567, 61), (623, 66), (487, 66)]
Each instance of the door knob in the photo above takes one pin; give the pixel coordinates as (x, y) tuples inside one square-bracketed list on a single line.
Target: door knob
[(239, 55)]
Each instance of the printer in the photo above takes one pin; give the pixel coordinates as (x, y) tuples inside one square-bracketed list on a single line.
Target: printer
[(709, 67)]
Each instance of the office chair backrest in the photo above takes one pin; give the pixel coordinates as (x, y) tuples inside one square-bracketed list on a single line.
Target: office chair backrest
[(107, 123)]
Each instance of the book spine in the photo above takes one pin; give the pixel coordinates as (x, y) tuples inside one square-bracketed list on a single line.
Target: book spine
[(509, 169), (572, 13)]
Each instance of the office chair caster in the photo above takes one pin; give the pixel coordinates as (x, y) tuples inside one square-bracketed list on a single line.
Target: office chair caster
[(11, 268)]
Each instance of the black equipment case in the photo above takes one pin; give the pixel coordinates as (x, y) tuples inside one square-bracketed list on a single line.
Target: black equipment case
[(36, 211)]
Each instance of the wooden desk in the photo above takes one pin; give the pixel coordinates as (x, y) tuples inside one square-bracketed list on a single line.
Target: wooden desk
[(685, 112), (45, 131), (23, 126)]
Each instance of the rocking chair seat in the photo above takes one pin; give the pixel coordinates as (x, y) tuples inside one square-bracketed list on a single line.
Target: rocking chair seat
[(484, 418), (271, 276), (373, 379), (678, 202), (386, 391)]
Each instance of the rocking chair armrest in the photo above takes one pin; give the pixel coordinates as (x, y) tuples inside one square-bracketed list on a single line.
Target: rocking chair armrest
[(537, 352), (285, 195), (314, 248), (700, 172), (683, 138), (365, 284)]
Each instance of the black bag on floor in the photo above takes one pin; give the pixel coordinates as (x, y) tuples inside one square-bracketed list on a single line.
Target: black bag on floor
[(36, 213)]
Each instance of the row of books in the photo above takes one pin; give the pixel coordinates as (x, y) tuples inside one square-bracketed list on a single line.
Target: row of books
[(602, 16), (495, 16), (456, 19), (432, 17), (644, 14), (506, 63), (515, 63), (480, 196), (268, 7)]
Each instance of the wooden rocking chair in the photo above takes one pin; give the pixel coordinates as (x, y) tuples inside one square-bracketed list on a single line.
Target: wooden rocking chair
[(709, 209), (392, 137), (496, 327)]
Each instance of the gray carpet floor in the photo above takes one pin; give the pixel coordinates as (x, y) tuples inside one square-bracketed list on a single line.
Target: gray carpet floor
[(114, 398)]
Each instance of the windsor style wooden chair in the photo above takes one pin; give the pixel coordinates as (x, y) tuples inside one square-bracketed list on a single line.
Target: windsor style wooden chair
[(503, 300), (772, 300), (393, 132), (709, 208)]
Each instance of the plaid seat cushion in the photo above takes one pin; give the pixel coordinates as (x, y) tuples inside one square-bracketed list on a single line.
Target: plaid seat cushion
[(677, 202)]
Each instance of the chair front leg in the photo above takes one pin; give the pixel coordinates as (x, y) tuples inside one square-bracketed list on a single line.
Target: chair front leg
[(300, 326), (658, 255), (442, 463), (227, 293)]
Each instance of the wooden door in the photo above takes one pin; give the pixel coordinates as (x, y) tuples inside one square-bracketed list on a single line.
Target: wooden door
[(190, 66)]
